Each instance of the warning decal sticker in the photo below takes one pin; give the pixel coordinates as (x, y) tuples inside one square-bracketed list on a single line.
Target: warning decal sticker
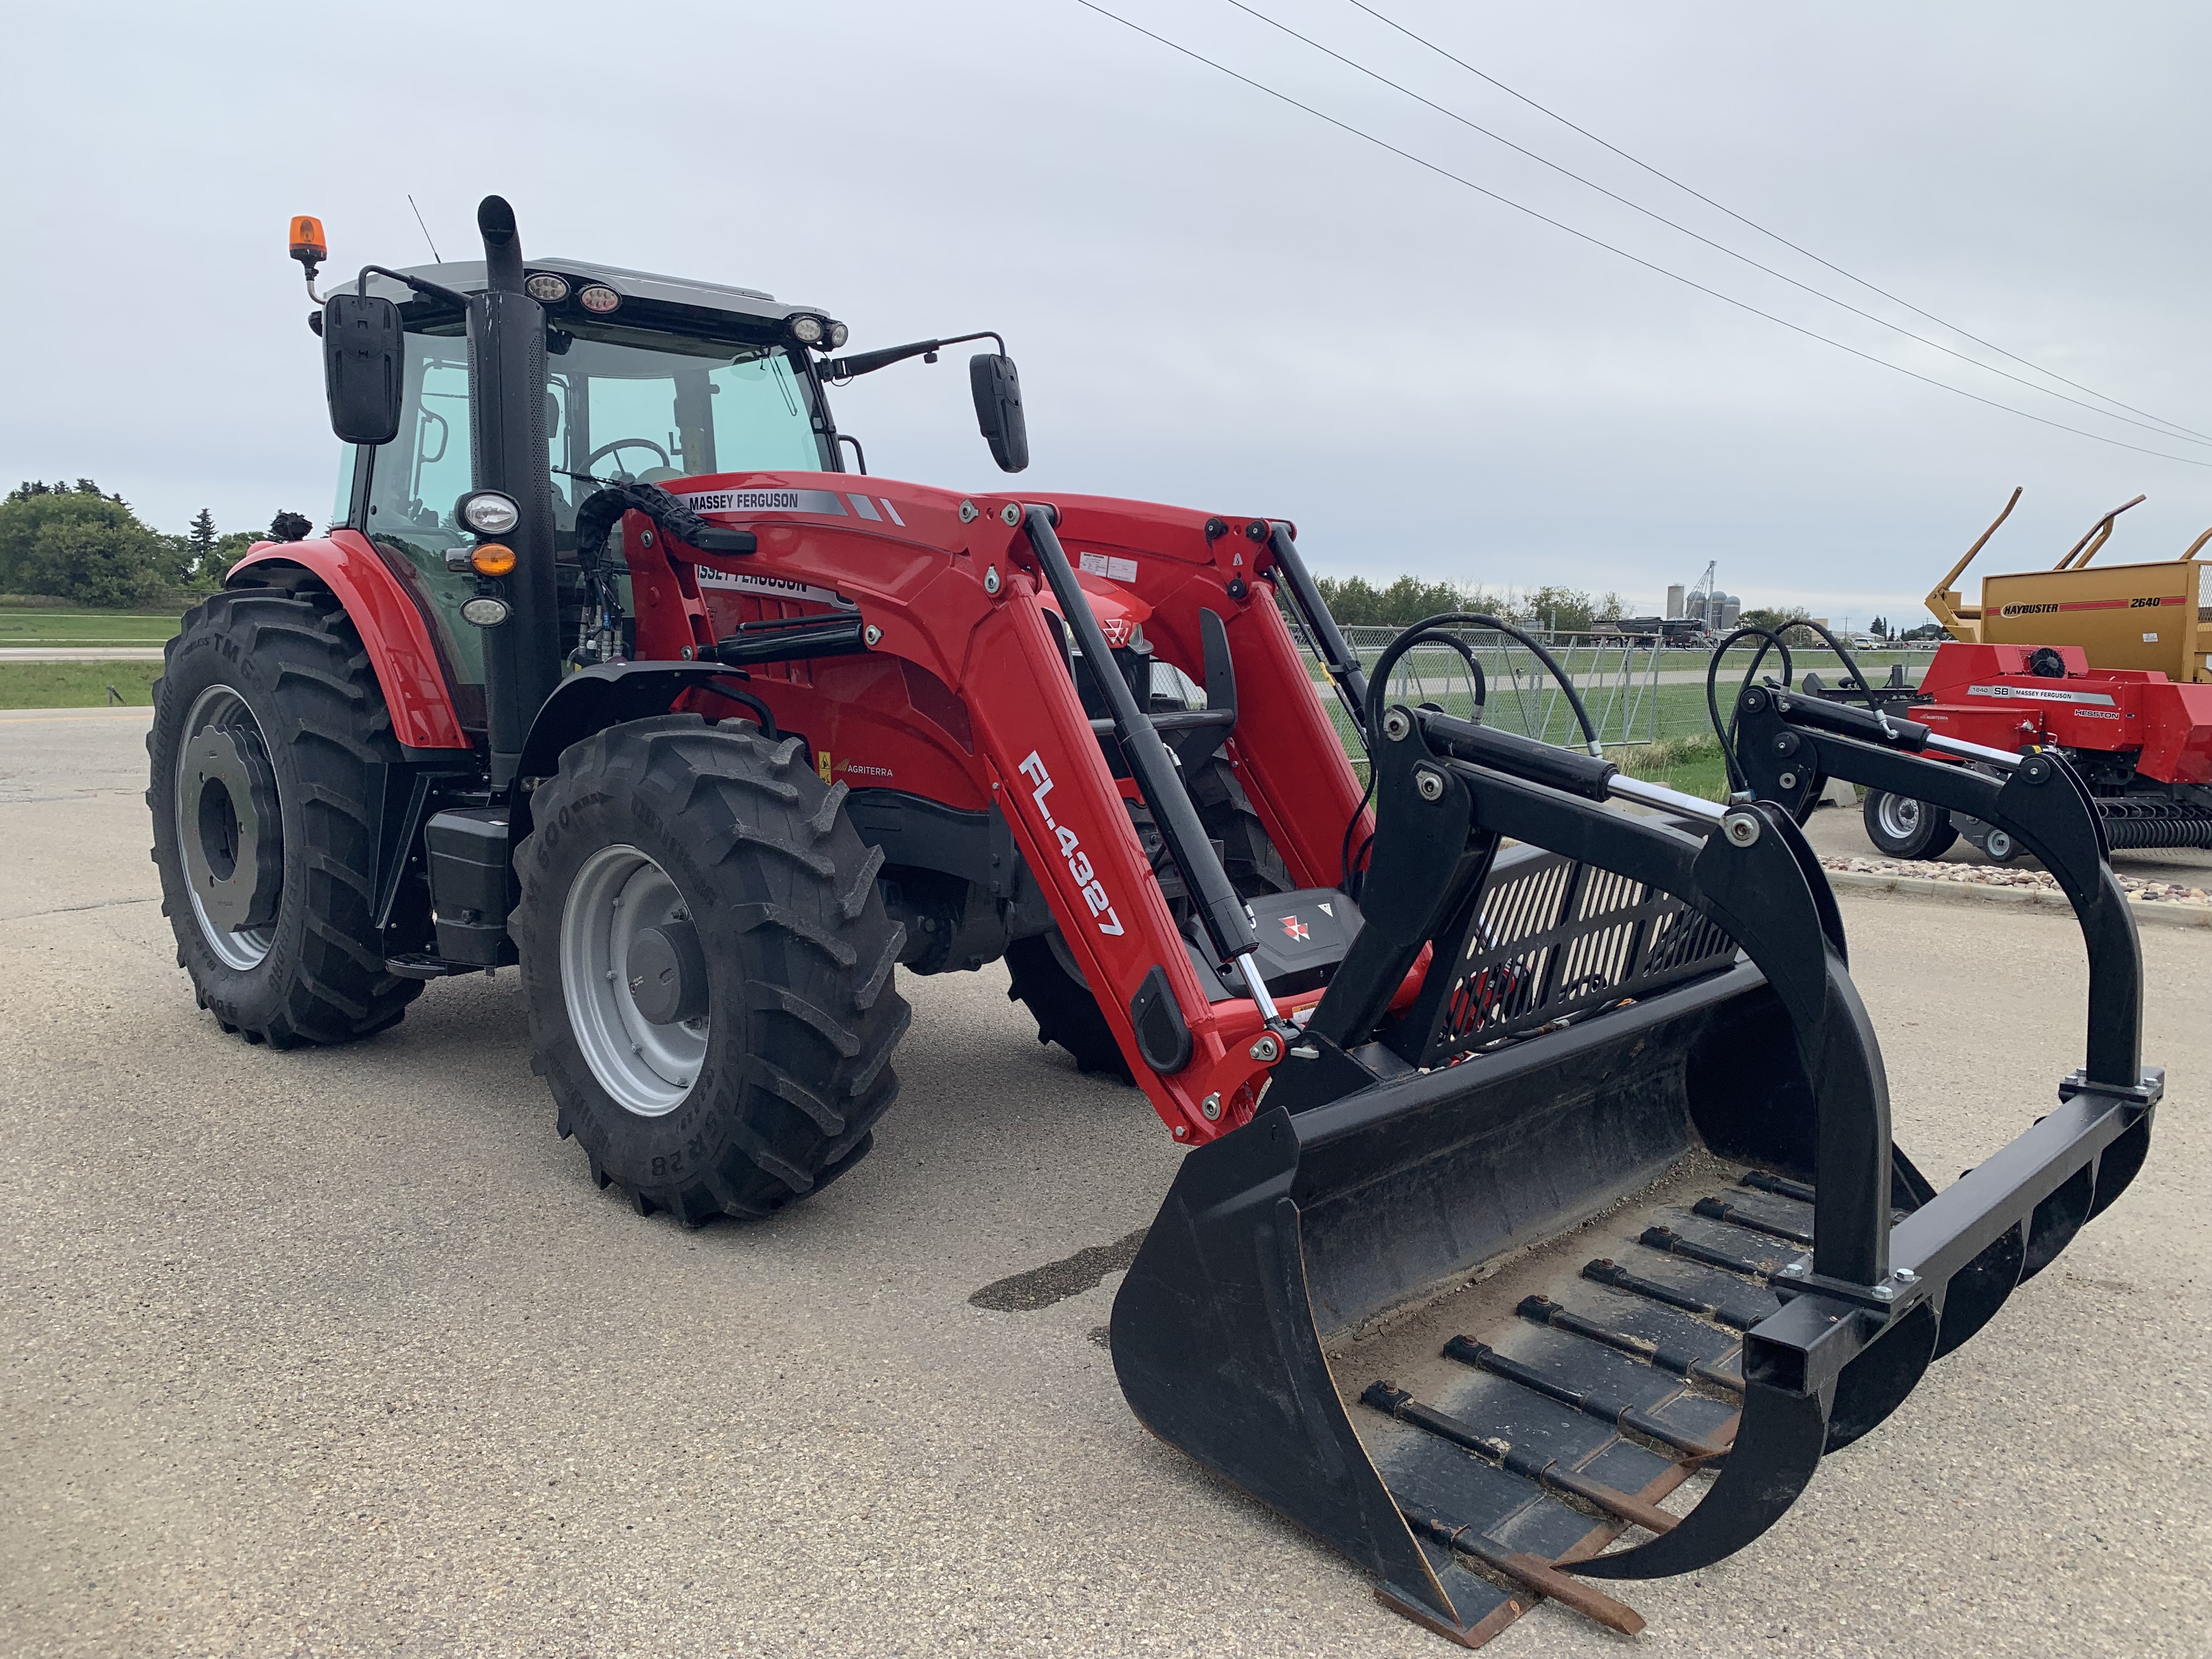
[(1113, 569)]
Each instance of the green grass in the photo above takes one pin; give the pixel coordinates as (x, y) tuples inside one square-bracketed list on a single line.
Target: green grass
[(1692, 765), (76, 684), (43, 626)]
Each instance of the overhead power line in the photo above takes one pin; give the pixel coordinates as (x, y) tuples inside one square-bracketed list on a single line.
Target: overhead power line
[(1584, 236), (1719, 247), (1771, 236)]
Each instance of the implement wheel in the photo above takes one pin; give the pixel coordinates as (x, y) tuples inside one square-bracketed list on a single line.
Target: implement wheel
[(1904, 827), (707, 967), (268, 725)]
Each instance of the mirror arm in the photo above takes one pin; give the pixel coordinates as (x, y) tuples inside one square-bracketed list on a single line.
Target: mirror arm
[(840, 370)]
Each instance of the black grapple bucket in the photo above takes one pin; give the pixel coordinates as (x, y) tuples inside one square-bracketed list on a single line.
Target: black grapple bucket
[(1614, 1205)]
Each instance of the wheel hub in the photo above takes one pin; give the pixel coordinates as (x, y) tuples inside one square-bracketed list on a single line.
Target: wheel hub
[(1901, 815), (634, 977), (230, 828), (237, 846), (667, 973)]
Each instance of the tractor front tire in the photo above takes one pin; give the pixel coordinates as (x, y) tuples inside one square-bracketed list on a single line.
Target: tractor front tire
[(707, 967), (268, 728), (1044, 980)]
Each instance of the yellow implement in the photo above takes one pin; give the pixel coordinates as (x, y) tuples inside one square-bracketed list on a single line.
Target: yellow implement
[(2124, 615)]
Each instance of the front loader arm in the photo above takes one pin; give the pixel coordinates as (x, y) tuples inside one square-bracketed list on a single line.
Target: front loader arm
[(1052, 783)]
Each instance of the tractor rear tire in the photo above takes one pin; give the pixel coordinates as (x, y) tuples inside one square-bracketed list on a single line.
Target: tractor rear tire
[(769, 1087), (1044, 977), (268, 724), (1906, 828)]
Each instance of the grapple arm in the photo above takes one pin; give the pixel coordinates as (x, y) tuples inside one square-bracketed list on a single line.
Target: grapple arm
[(1789, 747)]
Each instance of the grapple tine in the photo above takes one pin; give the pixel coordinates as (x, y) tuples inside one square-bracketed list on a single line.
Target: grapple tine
[(1470, 1352), (1979, 1289), (1626, 1506), (1777, 1446), (1538, 1575), (1544, 1311)]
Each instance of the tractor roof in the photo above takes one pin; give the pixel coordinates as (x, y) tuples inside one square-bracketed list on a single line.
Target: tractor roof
[(665, 300)]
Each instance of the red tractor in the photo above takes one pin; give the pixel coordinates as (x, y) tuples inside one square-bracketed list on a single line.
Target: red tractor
[(608, 667)]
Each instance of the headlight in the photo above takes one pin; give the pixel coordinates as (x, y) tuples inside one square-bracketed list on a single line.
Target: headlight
[(838, 335), (598, 299), (492, 559), (485, 612), (547, 289), (489, 512), (807, 331)]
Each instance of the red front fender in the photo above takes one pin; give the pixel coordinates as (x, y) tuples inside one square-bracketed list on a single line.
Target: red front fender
[(392, 629)]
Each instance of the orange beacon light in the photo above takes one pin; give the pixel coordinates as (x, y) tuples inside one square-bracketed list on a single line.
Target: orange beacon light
[(308, 247)]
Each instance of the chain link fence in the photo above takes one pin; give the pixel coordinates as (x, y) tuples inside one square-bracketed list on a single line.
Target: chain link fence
[(1638, 694)]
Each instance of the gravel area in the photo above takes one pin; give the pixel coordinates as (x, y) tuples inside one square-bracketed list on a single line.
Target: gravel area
[(1998, 875)]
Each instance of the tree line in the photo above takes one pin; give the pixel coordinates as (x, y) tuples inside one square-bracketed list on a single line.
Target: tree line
[(1356, 602), (79, 543)]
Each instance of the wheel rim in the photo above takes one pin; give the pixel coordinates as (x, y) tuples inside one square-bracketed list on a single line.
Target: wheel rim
[(1899, 816), (229, 829), (619, 893)]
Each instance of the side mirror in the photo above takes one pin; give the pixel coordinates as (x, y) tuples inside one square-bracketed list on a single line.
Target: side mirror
[(363, 372), (998, 392)]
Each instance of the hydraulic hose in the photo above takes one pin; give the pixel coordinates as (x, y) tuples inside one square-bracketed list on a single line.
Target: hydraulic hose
[(1378, 682), (1435, 629), (1726, 732), (1481, 700)]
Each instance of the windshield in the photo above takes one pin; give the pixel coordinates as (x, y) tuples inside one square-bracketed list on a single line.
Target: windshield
[(620, 403), (676, 408)]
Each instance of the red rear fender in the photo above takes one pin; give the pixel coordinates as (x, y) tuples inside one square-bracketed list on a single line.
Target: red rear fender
[(392, 629)]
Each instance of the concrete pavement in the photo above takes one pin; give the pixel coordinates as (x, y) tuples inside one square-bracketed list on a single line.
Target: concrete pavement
[(340, 1352)]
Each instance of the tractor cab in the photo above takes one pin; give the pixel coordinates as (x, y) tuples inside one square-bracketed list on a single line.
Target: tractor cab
[(647, 378)]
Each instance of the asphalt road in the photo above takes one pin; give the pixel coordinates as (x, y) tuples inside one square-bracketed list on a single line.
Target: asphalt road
[(341, 1353)]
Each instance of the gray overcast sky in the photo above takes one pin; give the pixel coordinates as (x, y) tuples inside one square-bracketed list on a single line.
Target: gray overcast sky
[(1214, 299)]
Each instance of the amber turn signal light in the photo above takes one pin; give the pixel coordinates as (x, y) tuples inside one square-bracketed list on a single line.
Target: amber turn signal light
[(308, 247), (492, 559)]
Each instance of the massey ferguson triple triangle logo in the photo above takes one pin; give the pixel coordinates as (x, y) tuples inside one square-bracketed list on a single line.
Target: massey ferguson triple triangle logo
[(1295, 928)]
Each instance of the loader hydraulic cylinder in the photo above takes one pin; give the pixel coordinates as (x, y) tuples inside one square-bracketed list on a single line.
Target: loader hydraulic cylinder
[(1221, 911), (506, 431)]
